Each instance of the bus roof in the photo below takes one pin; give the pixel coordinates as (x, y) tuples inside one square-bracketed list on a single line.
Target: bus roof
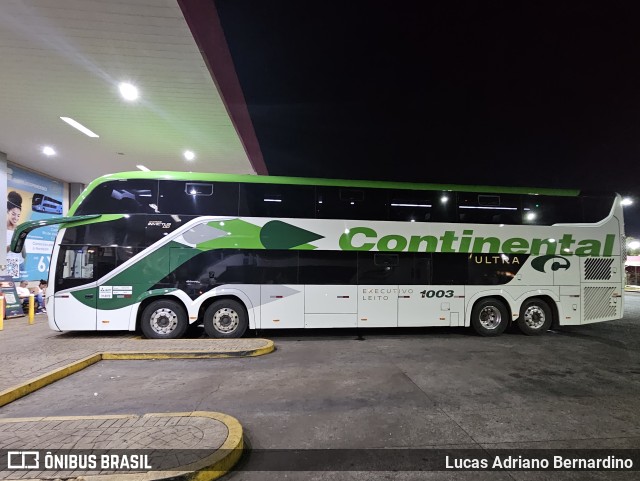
[(272, 179)]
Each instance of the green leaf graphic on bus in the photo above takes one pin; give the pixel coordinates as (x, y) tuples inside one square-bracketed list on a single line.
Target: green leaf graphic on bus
[(240, 235), (276, 234), (539, 263)]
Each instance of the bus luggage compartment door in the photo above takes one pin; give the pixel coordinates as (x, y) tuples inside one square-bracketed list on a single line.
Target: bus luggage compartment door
[(281, 306), (377, 306), (330, 306)]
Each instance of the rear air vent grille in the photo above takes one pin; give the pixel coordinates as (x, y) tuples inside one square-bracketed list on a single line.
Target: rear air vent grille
[(599, 304), (597, 269)]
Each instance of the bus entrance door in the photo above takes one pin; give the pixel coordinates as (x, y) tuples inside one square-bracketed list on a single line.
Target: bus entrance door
[(74, 306)]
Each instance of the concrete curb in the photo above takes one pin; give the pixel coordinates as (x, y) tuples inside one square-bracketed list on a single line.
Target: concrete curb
[(224, 458), (16, 392), (27, 387), (210, 468)]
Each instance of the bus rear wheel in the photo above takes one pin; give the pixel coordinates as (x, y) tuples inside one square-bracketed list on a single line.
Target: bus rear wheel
[(535, 317), (163, 319), (225, 318), (489, 317)]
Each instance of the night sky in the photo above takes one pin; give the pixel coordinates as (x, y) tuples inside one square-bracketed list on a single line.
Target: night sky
[(500, 93)]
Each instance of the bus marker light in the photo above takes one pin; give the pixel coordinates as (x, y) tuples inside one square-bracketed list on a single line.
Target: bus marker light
[(105, 322), (276, 320)]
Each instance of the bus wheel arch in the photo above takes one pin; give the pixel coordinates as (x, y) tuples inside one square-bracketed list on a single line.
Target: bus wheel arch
[(537, 315), (224, 317), (490, 316), (164, 317)]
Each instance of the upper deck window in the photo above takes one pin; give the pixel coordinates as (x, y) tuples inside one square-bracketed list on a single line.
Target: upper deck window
[(134, 196), (346, 203), (549, 210), (272, 200), (476, 208), (198, 198)]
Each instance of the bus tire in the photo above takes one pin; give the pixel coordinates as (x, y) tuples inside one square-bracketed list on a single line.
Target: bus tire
[(535, 317), (489, 317), (164, 319), (225, 318)]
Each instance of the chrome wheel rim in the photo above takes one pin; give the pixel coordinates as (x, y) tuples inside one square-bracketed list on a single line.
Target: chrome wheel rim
[(534, 317), (226, 320), (163, 321), (490, 317)]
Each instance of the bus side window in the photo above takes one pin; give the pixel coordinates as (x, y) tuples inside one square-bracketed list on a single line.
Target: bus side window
[(270, 200), (104, 261), (410, 205), (477, 208), (548, 210), (278, 267), (444, 207), (384, 268), (327, 267), (450, 269), (133, 196), (178, 197), (126, 231), (351, 203), (421, 269), (77, 265), (123, 254), (484, 270)]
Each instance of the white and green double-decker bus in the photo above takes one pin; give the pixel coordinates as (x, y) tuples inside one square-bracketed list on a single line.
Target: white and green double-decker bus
[(158, 251)]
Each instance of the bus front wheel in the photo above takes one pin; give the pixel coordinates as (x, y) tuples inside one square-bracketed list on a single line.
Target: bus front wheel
[(535, 317), (164, 319), (225, 318), (489, 317)]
